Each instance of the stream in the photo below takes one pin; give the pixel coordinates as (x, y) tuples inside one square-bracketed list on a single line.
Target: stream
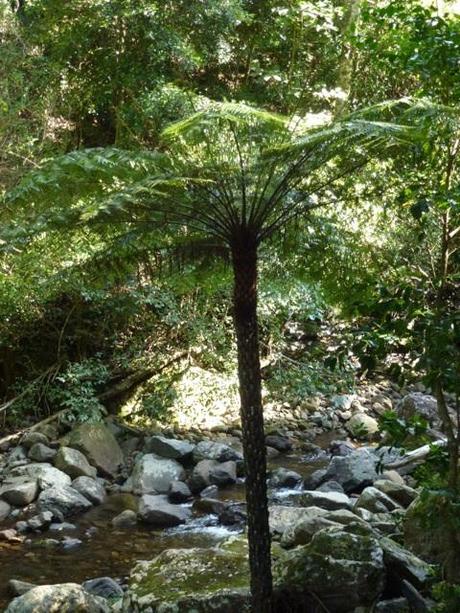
[(106, 551)]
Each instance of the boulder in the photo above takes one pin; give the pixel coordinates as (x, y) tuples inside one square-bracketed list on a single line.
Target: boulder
[(341, 448), (402, 494), (330, 486), (342, 566), (41, 453), (209, 450), (402, 564), (105, 587), (18, 588), (315, 520), (208, 505), (198, 580), (64, 597), (282, 477), (361, 425), (90, 489), (40, 522), (99, 446), (419, 405), (73, 463), (153, 474), (45, 474), (30, 439), (19, 492), (283, 517), (375, 501), (5, 510), (278, 442), (200, 477), (125, 519), (330, 501), (173, 449), (179, 492), (311, 482), (223, 473), (157, 511), (354, 472), (65, 500), (394, 605), (234, 514)]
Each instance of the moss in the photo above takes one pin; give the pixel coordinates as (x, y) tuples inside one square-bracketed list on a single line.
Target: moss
[(184, 573)]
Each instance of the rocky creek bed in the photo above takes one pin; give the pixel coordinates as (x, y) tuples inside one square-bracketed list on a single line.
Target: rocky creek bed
[(103, 520)]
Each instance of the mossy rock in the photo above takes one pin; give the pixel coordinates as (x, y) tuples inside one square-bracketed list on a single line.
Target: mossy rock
[(342, 566), (192, 581)]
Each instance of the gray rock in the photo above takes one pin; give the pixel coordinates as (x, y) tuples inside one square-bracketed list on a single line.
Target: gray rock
[(62, 527), (311, 482), (315, 520), (361, 425), (283, 517), (105, 587), (157, 511), (62, 598), (212, 491), (73, 463), (402, 494), (223, 474), (419, 405), (99, 446), (200, 477), (330, 486), (41, 453), (18, 588), (376, 501), (65, 499), (234, 514), (45, 474), (282, 477), (330, 501), (5, 510), (343, 568), (19, 492), (403, 564), (278, 442), (209, 450), (153, 474), (208, 505), (71, 543), (354, 472), (341, 448), (32, 438), (179, 492), (124, 520), (40, 522), (90, 489), (173, 449), (395, 605)]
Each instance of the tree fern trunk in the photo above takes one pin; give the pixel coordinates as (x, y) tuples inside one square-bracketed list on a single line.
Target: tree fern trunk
[(244, 254)]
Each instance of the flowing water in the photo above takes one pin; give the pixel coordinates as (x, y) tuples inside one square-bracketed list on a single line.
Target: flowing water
[(105, 551)]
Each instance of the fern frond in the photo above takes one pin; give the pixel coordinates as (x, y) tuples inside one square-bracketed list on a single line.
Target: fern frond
[(358, 131), (234, 113), (85, 171)]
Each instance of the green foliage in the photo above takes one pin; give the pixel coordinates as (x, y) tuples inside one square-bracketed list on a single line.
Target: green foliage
[(447, 596), (400, 432), (77, 388)]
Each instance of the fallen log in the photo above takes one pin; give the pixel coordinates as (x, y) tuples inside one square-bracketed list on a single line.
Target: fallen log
[(413, 458)]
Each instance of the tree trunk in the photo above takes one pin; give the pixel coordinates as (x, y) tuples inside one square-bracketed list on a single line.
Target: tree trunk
[(244, 256)]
